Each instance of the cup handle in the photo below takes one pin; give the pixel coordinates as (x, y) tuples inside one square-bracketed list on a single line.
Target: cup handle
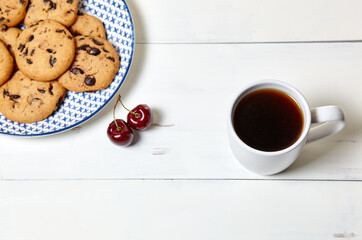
[(328, 120)]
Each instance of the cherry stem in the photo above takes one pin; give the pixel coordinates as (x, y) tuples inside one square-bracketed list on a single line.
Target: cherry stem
[(114, 117), (137, 115)]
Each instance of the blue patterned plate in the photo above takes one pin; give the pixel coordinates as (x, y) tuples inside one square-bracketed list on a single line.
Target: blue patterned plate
[(80, 107)]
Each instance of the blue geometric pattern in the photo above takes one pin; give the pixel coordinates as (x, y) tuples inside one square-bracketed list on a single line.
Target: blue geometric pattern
[(79, 107)]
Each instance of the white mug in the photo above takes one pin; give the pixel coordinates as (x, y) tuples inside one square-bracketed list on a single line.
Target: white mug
[(272, 162)]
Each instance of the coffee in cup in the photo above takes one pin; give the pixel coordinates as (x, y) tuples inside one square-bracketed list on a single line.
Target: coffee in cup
[(268, 120)]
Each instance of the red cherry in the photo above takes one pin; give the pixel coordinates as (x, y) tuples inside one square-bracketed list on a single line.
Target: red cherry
[(140, 117), (120, 133)]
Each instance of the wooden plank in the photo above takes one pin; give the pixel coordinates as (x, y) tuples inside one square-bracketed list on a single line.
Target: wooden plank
[(190, 88), (206, 21), (131, 210)]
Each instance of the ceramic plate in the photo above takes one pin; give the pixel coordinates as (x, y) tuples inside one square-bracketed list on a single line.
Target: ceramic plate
[(80, 107)]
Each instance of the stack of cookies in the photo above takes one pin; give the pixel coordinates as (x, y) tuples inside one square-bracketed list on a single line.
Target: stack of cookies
[(60, 49)]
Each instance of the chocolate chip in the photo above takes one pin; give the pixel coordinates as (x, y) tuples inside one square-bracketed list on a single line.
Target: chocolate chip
[(28, 61), (35, 24), (26, 52), (59, 103), (76, 34), (51, 89), (111, 58), (32, 52), (31, 38), (70, 37), (76, 71), (105, 50), (2, 19), (81, 39), (94, 51), (4, 28), (52, 61), (53, 6), (5, 93), (97, 42), (49, 50), (83, 47), (60, 31), (14, 96), (70, 1), (80, 13), (41, 90), (90, 80), (21, 47), (22, 2)]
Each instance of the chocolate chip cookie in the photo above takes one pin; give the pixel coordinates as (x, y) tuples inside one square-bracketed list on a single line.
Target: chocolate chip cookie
[(63, 11), (44, 50), (24, 100), (95, 65), (88, 25), (12, 12), (6, 64)]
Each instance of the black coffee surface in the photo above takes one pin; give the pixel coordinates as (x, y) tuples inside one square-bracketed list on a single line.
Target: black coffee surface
[(268, 120)]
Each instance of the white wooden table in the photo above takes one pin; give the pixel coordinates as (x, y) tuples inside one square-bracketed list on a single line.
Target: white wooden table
[(180, 179)]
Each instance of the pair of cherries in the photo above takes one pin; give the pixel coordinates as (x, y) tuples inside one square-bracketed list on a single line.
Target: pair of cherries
[(139, 118)]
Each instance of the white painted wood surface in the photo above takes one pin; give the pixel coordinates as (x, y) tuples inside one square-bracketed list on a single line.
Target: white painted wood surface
[(180, 210), (205, 21), (180, 180)]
